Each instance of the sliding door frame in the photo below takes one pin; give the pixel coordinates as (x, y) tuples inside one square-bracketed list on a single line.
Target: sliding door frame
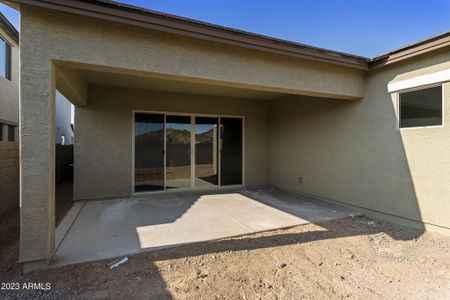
[(192, 154)]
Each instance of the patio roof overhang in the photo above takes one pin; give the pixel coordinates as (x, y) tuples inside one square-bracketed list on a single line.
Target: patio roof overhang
[(73, 80)]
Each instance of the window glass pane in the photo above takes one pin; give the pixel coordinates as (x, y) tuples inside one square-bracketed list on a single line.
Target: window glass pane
[(206, 151), (2, 58), (8, 62), (11, 131), (421, 108), (149, 152), (1, 132), (178, 146)]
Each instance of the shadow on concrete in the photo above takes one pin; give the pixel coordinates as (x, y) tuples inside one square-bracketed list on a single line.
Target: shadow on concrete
[(308, 211), (111, 228)]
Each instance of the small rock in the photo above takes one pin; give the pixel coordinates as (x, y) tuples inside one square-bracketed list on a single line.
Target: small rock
[(350, 256), (321, 263), (282, 266), (138, 278), (342, 277)]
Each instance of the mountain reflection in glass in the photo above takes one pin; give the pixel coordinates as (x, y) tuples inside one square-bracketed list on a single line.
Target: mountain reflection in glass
[(178, 146), (206, 152), (149, 152)]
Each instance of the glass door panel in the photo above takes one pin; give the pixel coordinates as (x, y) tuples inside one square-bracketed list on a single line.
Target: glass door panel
[(231, 151), (206, 152), (178, 151), (149, 152)]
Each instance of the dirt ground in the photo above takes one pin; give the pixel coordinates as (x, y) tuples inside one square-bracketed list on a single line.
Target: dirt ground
[(354, 258)]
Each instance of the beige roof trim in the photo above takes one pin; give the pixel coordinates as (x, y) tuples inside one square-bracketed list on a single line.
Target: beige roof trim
[(118, 12), (431, 44), (137, 16), (13, 33)]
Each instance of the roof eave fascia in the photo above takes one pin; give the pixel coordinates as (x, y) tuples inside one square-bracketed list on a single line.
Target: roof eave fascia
[(198, 30), (414, 50), (13, 33)]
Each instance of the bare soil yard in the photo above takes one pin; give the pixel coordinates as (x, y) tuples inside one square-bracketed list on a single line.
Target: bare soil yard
[(352, 258)]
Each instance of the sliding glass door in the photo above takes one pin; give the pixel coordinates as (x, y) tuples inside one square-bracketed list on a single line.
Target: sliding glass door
[(182, 152)]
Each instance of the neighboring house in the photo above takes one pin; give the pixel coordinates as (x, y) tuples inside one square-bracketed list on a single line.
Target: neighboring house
[(64, 131), (9, 115), (9, 78), (167, 103)]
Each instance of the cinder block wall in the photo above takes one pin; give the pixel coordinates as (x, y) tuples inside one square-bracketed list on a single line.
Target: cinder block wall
[(9, 175)]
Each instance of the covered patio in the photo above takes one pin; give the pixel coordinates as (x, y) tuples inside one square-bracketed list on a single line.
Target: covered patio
[(162, 111), (95, 230)]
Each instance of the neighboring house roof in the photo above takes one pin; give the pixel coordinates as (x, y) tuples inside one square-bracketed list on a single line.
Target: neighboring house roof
[(429, 44), (8, 27), (137, 16)]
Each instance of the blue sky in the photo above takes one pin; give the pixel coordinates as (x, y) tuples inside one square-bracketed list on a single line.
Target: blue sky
[(363, 27)]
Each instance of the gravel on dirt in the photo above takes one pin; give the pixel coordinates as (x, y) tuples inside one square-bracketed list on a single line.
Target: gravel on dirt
[(355, 258)]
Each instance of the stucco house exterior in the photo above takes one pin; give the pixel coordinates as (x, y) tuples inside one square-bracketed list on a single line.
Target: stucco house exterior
[(218, 108), (9, 115)]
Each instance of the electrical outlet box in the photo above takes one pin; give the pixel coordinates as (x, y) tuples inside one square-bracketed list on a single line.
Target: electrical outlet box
[(300, 180)]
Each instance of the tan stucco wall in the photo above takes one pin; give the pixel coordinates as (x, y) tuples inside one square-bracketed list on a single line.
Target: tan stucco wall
[(103, 135), (352, 152), (92, 41), (103, 150), (9, 89)]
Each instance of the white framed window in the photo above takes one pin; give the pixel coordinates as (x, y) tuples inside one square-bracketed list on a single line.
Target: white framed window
[(421, 107)]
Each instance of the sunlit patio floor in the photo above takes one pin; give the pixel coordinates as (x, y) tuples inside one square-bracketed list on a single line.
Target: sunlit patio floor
[(100, 229)]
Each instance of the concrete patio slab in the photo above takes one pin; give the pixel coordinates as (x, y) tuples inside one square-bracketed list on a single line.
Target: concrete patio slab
[(110, 228)]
